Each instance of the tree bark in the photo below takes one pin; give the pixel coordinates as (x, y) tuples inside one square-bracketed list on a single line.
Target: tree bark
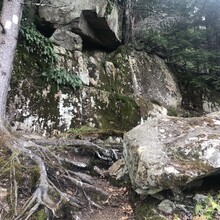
[(10, 19), (128, 21)]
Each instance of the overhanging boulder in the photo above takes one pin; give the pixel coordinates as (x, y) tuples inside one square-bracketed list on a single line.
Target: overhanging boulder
[(97, 21), (95, 30), (173, 153)]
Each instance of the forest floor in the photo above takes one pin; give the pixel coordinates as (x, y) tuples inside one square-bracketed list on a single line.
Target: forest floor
[(117, 207), (63, 169), (78, 178)]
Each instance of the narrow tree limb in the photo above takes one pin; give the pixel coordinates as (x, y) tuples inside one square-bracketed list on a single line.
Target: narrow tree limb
[(32, 211), (91, 202), (15, 193), (72, 200), (87, 186), (84, 177), (102, 153), (66, 160)]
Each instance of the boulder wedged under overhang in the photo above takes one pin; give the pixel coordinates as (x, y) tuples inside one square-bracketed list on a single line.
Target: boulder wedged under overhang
[(95, 30), (96, 21)]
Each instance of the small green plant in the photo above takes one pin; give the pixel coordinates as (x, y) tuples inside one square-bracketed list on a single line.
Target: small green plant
[(41, 215), (208, 208), (62, 77), (171, 111), (42, 49), (35, 43)]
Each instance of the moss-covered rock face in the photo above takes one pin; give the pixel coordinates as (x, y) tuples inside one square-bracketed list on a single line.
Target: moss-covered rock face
[(117, 77), (121, 112), (31, 103), (116, 92), (36, 105)]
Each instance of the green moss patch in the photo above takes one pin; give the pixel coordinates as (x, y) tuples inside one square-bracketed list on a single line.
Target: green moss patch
[(121, 113)]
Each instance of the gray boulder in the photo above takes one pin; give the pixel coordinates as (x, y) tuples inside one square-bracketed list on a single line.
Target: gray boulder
[(172, 153), (118, 170), (154, 80), (167, 207), (67, 40)]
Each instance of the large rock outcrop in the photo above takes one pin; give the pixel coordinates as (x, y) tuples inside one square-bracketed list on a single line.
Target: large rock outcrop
[(153, 80), (173, 153), (96, 21), (119, 89)]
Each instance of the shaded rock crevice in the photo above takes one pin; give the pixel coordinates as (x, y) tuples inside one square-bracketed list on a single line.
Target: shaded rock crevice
[(95, 31)]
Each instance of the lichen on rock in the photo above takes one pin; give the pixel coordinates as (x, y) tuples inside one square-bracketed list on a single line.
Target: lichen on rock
[(172, 153)]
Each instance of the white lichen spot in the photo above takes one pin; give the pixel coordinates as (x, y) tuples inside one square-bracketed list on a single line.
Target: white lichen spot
[(84, 95), (15, 19), (58, 95), (216, 122), (209, 152), (92, 101), (75, 99), (187, 151), (8, 25), (91, 124), (193, 139), (65, 112), (46, 91), (171, 170), (162, 131)]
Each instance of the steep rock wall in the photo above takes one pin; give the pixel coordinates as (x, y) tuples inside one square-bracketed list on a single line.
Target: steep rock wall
[(117, 92), (120, 89)]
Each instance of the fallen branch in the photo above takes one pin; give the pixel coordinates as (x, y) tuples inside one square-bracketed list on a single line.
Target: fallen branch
[(102, 153)]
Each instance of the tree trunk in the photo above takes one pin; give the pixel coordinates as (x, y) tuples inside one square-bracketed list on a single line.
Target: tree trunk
[(128, 21), (10, 19)]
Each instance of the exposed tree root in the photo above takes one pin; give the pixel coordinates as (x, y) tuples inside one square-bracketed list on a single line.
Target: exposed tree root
[(58, 178), (105, 154)]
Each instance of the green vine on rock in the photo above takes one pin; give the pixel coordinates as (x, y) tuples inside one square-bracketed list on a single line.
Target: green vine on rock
[(63, 78), (43, 51), (35, 43)]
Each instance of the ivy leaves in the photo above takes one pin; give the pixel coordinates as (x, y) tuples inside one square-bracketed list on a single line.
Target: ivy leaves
[(35, 43), (63, 78), (42, 48)]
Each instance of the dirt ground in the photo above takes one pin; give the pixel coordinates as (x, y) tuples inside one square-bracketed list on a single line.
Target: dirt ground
[(116, 207)]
